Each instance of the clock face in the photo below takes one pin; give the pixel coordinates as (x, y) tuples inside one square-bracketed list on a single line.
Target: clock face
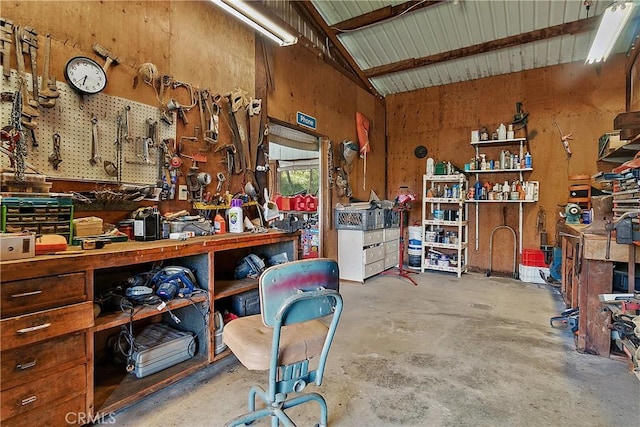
[(85, 75)]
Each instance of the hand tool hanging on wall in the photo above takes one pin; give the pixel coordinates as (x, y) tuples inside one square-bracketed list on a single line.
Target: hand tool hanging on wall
[(238, 124), (109, 167), (30, 38), (54, 158), (6, 34), (95, 156), (565, 140), (109, 57), (211, 135), (127, 125), (48, 94), (29, 107)]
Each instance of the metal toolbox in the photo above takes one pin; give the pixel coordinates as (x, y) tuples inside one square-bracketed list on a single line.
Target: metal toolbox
[(160, 346), (246, 304)]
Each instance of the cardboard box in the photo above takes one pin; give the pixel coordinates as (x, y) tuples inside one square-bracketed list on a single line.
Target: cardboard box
[(89, 226)]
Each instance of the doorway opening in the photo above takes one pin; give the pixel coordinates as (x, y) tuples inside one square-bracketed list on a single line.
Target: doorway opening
[(295, 182)]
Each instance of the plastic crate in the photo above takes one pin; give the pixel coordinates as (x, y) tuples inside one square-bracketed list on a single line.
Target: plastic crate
[(533, 258), (38, 215), (361, 219), (391, 218), (532, 274)]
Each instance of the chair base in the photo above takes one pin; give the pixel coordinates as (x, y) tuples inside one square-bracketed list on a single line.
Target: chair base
[(275, 410)]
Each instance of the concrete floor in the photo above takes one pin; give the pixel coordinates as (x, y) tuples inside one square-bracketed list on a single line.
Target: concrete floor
[(473, 351)]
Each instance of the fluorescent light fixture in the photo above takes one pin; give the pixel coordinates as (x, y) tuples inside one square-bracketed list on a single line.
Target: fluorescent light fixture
[(613, 21), (247, 14)]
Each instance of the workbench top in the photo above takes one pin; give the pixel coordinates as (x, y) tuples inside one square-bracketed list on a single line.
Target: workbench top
[(595, 245)]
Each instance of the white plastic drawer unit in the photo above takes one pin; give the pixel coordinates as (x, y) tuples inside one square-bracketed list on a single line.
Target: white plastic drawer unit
[(362, 254), (391, 234), (373, 253)]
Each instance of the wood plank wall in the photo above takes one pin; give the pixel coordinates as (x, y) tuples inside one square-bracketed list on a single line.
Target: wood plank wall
[(583, 100), (305, 83), (196, 43)]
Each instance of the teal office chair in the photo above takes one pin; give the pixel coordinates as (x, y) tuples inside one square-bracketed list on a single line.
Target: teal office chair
[(288, 338)]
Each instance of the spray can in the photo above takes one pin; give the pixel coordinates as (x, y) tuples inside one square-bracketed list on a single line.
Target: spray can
[(219, 224), (236, 221)]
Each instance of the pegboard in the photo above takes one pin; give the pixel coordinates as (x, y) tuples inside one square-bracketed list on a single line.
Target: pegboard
[(71, 119)]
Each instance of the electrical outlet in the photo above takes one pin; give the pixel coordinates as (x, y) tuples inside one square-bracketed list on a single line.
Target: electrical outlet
[(183, 192)]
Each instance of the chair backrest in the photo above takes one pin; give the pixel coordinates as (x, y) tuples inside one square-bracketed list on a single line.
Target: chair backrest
[(287, 282)]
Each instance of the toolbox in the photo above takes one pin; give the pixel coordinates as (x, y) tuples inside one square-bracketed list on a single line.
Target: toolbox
[(246, 303), (37, 215), (160, 346)]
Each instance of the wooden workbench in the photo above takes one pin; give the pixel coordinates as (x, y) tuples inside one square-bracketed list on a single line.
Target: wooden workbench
[(48, 315), (587, 272)]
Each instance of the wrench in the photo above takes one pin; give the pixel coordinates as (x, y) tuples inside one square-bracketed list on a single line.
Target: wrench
[(54, 158), (95, 157), (221, 179)]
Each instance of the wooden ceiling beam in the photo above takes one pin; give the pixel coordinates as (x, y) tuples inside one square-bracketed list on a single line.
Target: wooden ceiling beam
[(381, 15), (319, 22), (574, 27)]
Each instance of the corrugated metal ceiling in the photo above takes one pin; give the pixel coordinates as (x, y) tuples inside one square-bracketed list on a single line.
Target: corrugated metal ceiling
[(439, 29)]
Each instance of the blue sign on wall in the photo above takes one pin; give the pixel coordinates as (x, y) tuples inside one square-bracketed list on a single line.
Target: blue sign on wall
[(306, 120)]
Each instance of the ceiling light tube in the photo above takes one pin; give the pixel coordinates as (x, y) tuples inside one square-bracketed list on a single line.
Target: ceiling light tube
[(613, 21), (245, 13)]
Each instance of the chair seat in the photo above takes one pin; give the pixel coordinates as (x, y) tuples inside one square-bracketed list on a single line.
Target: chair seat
[(250, 340)]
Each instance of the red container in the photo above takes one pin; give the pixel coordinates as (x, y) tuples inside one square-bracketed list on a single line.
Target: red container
[(278, 201), (287, 203), (533, 258), (311, 203), (299, 203)]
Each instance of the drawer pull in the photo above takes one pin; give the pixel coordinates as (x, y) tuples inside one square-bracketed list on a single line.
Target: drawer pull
[(33, 328), (26, 294), (28, 401), (28, 365)]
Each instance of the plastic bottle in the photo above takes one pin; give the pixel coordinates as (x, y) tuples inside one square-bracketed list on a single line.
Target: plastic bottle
[(219, 224), (527, 160), (236, 221)]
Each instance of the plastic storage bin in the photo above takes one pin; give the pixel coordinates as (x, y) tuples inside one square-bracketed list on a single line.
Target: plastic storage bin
[(38, 215), (533, 258), (532, 274)]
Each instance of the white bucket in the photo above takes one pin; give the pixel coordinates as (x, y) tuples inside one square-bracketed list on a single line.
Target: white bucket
[(415, 232)]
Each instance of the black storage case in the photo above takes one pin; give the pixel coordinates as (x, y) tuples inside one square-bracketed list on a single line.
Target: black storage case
[(246, 303)]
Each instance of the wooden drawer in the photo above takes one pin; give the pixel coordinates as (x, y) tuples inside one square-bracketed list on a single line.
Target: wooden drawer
[(31, 328), (390, 260), (391, 234), (374, 253), (43, 392), (31, 362), (373, 268), (70, 412), (27, 296), (372, 237)]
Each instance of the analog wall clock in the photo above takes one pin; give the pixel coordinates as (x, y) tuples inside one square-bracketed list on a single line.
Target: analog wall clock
[(85, 75)]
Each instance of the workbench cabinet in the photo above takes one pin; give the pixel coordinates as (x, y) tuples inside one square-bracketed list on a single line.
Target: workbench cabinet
[(56, 355)]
